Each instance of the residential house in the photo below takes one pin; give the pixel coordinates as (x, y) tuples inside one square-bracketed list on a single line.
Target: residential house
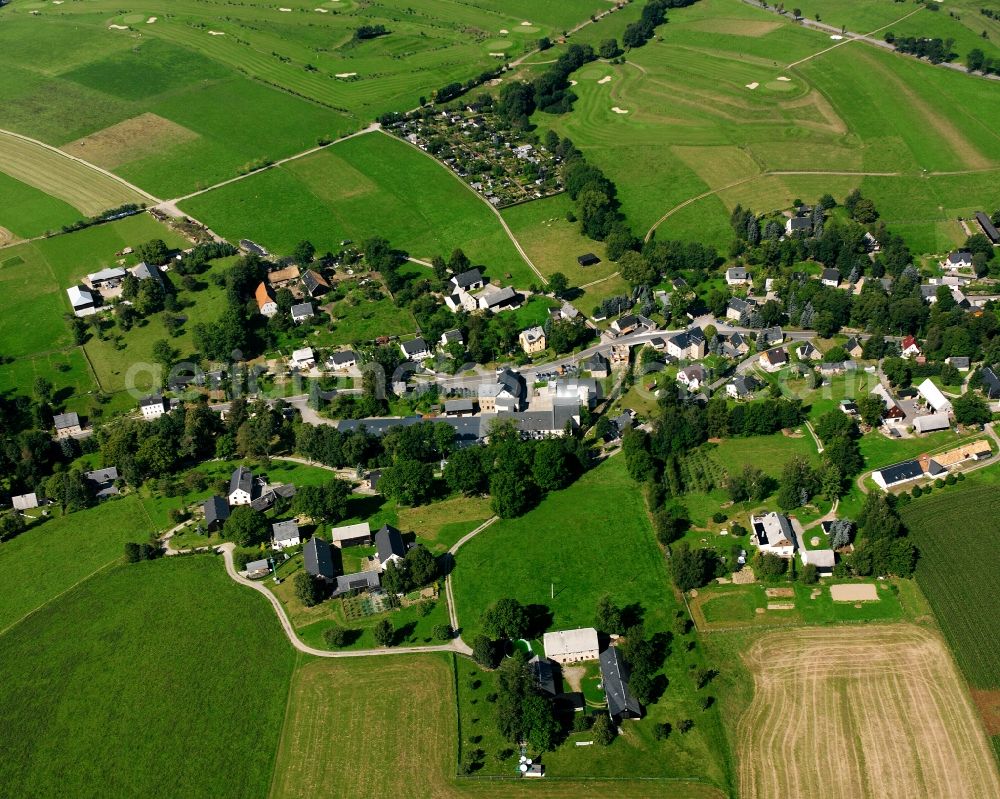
[(103, 482), (469, 281), (545, 423), (571, 646), (597, 365), (960, 362), (351, 535), (265, 300), (153, 407), (143, 271), (737, 306), (807, 352), (772, 336), (317, 557), (389, 546), (532, 340), (303, 358), (216, 511), (253, 248), (314, 283), (494, 299), (544, 674), (990, 382), (773, 533), (897, 474), (799, 224), (854, 347), (452, 337), (743, 387), (587, 259), (67, 425), (688, 344), (506, 393), (988, 227), (737, 276), (822, 559), (734, 345), (242, 487), (568, 312), (302, 311), (615, 677), (107, 278), (631, 323), (892, 412), (82, 300), (909, 347), (957, 259), (933, 396), (340, 361), (692, 376), (829, 368), (24, 502), (459, 407), (830, 277), (931, 422), (285, 534), (773, 360), (415, 350)]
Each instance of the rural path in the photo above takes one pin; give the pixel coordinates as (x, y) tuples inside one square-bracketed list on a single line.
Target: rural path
[(457, 645), (812, 432), (82, 162), (829, 516), (450, 596), (487, 203)]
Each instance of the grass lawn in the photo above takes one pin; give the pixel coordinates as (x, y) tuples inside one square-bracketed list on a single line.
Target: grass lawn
[(72, 548), (29, 212), (407, 725), (959, 543), (164, 667), (372, 185), (441, 524), (368, 320)]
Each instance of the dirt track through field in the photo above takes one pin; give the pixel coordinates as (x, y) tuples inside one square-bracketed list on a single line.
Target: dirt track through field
[(851, 712)]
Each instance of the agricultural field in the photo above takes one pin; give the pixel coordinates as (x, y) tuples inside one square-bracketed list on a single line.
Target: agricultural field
[(371, 185), (145, 670), (956, 533), (407, 726), (28, 212), (690, 138), (881, 707)]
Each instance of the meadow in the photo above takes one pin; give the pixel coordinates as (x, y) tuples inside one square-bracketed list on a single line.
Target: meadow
[(371, 185), (29, 212), (72, 548), (959, 542), (406, 727), (161, 678), (691, 139)]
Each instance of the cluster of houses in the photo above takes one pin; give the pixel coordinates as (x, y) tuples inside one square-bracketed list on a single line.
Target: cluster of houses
[(100, 287), (567, 647), (930, 467), (246, 489), (469, 291), (484, 154), (305, 285), (772, 533), (103, 484)]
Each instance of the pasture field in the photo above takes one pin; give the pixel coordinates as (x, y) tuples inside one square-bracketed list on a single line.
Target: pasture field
[(405, 727), (62, 178), (72, 547), (693, 128), (66, 369), (28, 212), (145, 670), (372, 185), (441, 524), (959, 544), (882, 707)]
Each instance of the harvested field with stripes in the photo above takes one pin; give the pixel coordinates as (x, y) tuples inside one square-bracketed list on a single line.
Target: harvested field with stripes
[(853, 712)]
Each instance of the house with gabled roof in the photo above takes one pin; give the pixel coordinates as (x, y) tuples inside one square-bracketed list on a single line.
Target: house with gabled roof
[(242, 487), (571, 646), (153, 407), (317, 557), (351, 535), (830, 277), (389, 546), (773, 360), (216, 511), (737, 276), (990, 382), (415, 350), (909, 347), (615, 678), (773, 533), (958, 259), (285, 534), (737, 306), (897, 474), (854, 347), (470, 280), (302, 311), (66, 425), (24, 501), (82, 300), (314, 283)]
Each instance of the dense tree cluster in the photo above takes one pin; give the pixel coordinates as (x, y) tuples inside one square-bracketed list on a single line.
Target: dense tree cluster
[(881, 547), (522, 712), (934, 49), (417, 569), (370, 32)]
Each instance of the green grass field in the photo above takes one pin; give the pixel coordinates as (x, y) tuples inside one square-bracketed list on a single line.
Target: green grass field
[(147, 670), (29, 212), (367, 186), (959, 545)]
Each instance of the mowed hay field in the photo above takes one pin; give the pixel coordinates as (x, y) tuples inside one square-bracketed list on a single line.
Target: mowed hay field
[(371, 185), (688, 126), (62, 177), (858, 712), (157, 679), (386, 727)]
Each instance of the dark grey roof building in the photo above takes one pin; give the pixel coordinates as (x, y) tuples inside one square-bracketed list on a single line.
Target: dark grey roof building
[(544, 674), (615, 676), (62, 421), (470, 279), (318, 559), (216, 512), (988, 227), (990, 382), (358, 581), (104, 482), (389, 545)]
